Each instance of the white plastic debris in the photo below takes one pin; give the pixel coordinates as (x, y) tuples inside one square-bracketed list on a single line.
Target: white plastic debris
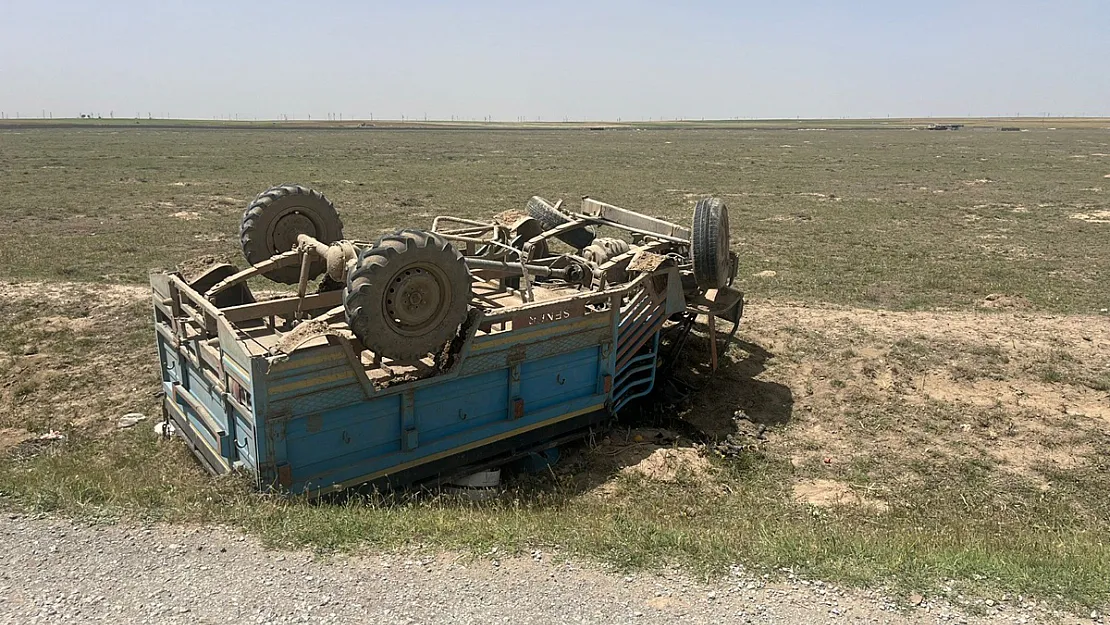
[(479, 486), (481, 479), (130, 419)]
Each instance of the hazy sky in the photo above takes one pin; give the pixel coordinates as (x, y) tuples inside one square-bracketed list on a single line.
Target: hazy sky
[(554, 59)]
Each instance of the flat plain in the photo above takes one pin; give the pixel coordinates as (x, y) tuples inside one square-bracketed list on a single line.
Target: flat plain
[(918, 395)]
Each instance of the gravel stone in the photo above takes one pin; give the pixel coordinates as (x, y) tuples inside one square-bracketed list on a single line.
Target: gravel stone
[(62, 571)]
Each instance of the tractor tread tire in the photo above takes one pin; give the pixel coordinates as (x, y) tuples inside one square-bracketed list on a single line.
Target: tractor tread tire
[(376, 269), (256, 227)]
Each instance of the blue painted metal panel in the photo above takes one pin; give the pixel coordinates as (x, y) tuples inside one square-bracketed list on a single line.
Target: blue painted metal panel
[(549, 381), (342, 444), (337, 396), (208, 396), (168, 357), (245, 443), (461, 404), (200, 427), (358, 468), (263, 435), (319, 442)]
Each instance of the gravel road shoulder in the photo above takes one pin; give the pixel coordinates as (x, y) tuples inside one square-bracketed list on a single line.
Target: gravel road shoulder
[(65, 571)]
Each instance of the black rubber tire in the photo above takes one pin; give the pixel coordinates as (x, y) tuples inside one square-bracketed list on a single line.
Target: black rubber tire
[(260, 237), (709, 243), (544, 212), (409, 261)]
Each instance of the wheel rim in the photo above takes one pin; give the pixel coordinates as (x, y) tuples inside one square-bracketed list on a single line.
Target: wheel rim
[(287, 227), (418, 298)]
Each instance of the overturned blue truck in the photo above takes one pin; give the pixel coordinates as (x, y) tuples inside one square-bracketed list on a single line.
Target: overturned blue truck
[(427, 354)]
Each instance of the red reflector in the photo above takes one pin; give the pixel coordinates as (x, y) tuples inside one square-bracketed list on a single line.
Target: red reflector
[(518, 408)]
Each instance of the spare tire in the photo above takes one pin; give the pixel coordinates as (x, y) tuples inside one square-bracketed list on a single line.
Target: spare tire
[(709, 243), (544, 212), (275, 218), (407, 295)]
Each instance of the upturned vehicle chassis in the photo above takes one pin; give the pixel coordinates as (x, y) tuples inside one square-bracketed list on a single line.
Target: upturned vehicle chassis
[(427, 354)]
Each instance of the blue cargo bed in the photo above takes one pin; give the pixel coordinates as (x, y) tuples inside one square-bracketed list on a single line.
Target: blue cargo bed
[(305, 409)]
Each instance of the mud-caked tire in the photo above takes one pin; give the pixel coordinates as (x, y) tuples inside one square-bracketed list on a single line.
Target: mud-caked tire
[(407, 295), (549, 217), (272, 221), (709, 244)]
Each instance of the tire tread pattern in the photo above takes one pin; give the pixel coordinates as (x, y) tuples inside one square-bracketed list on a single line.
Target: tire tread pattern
[(253, 225), (374, 269), (710, 261)]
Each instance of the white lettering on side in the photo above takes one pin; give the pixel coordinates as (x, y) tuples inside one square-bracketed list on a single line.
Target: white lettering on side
[(548, 317)]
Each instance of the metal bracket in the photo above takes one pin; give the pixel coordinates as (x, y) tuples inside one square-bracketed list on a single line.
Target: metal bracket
[(409, 433)]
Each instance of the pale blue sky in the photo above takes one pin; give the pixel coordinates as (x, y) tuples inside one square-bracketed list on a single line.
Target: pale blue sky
[(596, 60)]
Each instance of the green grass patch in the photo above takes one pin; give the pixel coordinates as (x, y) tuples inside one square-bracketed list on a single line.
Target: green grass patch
[(889, 219)]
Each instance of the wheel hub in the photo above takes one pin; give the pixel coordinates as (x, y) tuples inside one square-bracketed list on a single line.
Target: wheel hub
[(288, 227), (417, 298)]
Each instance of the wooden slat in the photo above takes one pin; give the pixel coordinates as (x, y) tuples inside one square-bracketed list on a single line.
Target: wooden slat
[(274, 262), (283, 306), (635, 220)]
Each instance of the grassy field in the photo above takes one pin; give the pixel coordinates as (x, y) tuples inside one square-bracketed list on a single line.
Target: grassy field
[(903, 220), (929, 355)]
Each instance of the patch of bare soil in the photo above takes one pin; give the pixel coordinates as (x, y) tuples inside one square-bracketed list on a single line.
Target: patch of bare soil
[(820, 197), (73, 357), (1095, 217), (224, 200), (72, 294), (828, 493), (192, 268), (1025, 392), (797, 218), (305, 331), (509, 217), (653, 454), (671, 465)]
